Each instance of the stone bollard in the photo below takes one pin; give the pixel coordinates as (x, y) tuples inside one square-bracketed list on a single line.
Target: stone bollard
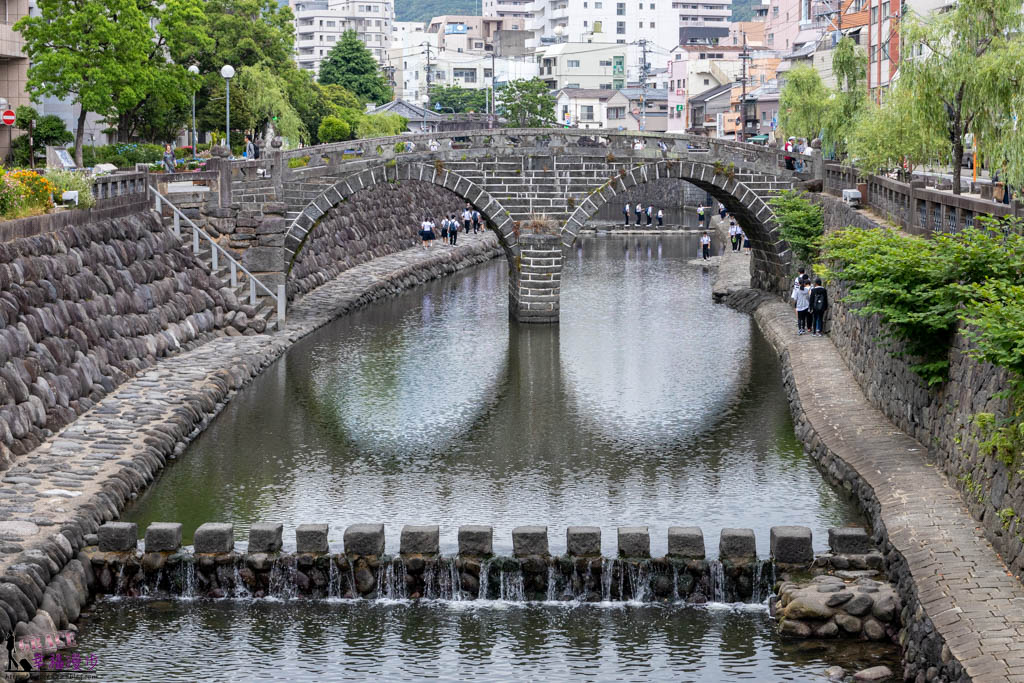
[(364, 545), (530, 546), (791, 546), (163, 537), (311, 538), (265, 537), (419, 549), (476, 543), (634, 542), (213, 546), (583, 541), (420, 540), (118, 537), (686, 542), (850, 540), (737, 546), (214, 537), (530, 540)]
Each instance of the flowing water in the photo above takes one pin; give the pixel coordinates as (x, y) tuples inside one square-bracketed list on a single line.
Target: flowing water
[(647, 405)]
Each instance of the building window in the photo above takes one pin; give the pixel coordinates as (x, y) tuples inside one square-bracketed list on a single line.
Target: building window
[(620, 9), (487, 73), (605, 62), (707, 82), (652, 25), (885, 11), (587, 112), (620, 27), (606, 86), (573, 64), (616, 112), (467, 75), (598, 5), (874, 14)]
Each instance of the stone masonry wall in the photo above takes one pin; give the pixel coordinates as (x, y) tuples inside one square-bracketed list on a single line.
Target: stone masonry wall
[(86, 307), (380, 220), (941, 417)]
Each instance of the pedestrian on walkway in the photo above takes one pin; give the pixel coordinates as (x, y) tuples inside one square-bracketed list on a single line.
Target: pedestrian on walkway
[(650, 213), (639, 212), (444, 229), (476, 221), (453, 229), (746, 240), (721, 211), (803, 305), (800, 275), (819, 304), (661, 218), (625, 213), (168, 158), (789, 154), (250, 149), (467, 217), (700, 215), (705, 246), (427, 232)]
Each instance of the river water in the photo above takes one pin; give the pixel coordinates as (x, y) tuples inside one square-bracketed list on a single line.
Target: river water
[(648, 405)]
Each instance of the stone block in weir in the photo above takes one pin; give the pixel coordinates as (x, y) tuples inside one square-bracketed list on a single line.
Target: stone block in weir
[(634, 541), (850, 540), (118, 536), (265, 537), (214, 537), (163, 537), (583, 541), (311, 538), (420, 540), (365, 540), (792, 545), (476, 541), (530, 540), (737, 545), (686, 542)]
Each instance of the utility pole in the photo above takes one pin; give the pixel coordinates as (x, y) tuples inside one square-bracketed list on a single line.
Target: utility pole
[(427, 45), (643, 83), (743, 97), (490, 116)]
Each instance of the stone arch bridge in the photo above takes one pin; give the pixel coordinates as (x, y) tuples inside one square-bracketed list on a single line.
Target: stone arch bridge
[(535, 188)]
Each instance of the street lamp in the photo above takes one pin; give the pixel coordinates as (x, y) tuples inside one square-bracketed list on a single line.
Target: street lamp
[(194, 70), (227, 72)]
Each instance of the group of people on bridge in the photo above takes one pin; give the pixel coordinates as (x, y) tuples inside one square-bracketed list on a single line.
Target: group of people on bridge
[(640, 212), (449, 226)]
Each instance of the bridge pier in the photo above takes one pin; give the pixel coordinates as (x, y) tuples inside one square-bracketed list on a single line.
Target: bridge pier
[(535, 280)]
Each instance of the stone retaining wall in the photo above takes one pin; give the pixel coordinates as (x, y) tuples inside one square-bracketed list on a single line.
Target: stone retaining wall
[(85, 307), (383, 219)]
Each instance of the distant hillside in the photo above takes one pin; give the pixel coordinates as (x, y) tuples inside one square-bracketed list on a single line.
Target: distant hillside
[(743, 10), (425, 10)]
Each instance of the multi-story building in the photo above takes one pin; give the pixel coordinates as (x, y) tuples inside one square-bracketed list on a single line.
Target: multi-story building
[(319, 25), (695, 69), (516, 13), (604, 108), (663, 23), (583, 65), (464, 33), (13, 65)]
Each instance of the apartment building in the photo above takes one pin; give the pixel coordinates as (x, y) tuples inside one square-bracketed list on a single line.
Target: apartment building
[(13, 65), (603, 108), (663, 23), (516, 13), (583, 65), (695, 69), (319, 25)]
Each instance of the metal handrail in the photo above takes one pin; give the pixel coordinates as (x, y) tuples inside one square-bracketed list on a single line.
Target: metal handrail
[(280, 298)]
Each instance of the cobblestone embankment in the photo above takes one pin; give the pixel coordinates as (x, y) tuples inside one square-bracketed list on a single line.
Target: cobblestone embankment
[(85, 475)]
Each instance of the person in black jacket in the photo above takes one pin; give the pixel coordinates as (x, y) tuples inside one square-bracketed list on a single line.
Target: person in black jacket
[(819, 304)]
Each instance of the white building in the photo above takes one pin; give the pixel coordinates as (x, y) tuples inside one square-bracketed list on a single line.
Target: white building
[(319, 25), (663, 23), (584, 65), (516, 13)]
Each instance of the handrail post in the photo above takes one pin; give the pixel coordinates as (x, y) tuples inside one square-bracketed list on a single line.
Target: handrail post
[(159, 206), (252, 291), (195, 240), (282, 302), (177, 222), (213, 255), (234, 274)]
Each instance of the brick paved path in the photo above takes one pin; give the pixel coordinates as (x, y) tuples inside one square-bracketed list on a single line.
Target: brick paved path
[(962, 586)]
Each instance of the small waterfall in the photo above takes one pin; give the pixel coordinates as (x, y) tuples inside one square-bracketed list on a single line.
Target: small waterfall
[(449, 583), (511, 586), (716, 581), (675, 583), (639, 580), (430, 581), (764, 580), (119, 587), (282, 580), (332, 579), (188, 590), (240, 589), (352, 580), (607, 569), (485, 579), (552, 593), (392, 586)]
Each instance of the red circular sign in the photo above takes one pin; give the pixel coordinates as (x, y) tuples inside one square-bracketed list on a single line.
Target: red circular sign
[(8, 117)]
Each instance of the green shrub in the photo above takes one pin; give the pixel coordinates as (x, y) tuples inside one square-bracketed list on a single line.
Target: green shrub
[(801, 223), (298, 162), (334, 129), (69, 181)]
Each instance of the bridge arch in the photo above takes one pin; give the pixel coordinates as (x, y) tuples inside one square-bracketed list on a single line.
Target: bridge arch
[(495, 216), (740, 193)]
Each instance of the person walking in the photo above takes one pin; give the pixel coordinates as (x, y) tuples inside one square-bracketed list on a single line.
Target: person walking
[(625, 213), (444, 229), (639, 212), (250, 149), (743, 238), (256, 144), (168, 158), (476, 221), (803, 305), (721, 211), (800, 275), (650, 213), (467, 217), (427, 232), (819, 304), (700, 216), (705, 246), (734, 235), (661, 218), (453, 230)]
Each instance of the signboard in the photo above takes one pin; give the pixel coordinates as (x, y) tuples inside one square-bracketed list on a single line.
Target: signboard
[(58, 157), (720, 125), (455, 28), (7, 117), (679, 107), (679, 91)]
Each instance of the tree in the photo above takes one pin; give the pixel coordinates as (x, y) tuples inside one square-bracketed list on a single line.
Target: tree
[(88, 50), (970, 81), (527, 103), (848, 65), (260, 98), (340, 97), (803, 103), (382, 125), (333, 129), (350, 65), (458, 99)]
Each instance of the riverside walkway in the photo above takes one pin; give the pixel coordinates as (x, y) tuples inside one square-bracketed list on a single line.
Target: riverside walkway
[(90, 470), (962, 587)]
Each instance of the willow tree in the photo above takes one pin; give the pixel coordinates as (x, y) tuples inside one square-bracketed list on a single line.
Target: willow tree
[(803, 103), (967, 79), (881, 137), (844, 106)]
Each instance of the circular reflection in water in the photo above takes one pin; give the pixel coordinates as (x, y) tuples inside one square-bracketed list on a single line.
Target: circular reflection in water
[(647, 405)]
